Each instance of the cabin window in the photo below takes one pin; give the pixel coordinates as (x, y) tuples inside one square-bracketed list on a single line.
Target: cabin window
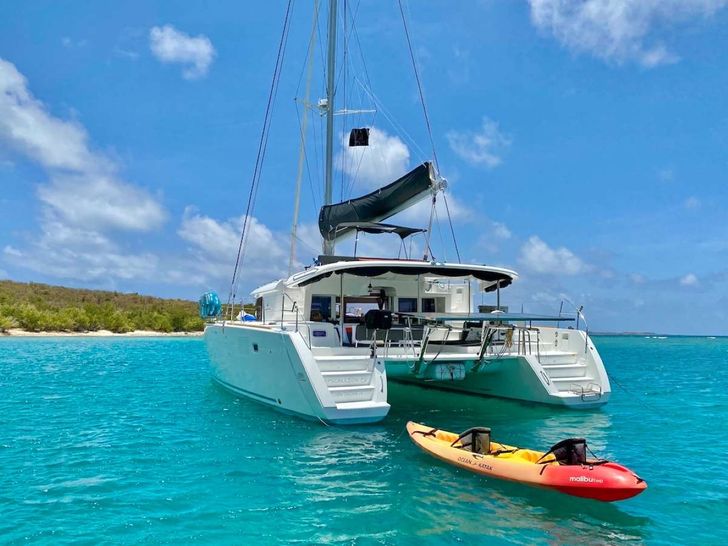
[(433, 305), (320, 308), (355, 307), (407, 305), (259, 308)]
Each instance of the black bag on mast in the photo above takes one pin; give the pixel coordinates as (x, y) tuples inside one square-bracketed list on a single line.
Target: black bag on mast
[(379, 204)]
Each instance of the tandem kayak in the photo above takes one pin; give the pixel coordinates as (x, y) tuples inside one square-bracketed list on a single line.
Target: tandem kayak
[(564, 467)]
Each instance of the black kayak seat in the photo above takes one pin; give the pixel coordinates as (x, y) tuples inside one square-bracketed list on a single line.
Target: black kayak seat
[(476, 439), (571, 451)]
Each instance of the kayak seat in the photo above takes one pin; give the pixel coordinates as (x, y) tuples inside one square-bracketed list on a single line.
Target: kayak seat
[(476, 439), (571, 451)]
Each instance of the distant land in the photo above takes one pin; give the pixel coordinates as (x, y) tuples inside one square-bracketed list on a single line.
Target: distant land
[(34, 307), (624, 334)]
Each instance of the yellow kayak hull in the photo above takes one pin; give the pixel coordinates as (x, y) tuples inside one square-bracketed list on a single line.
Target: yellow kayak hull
[(604, 481)]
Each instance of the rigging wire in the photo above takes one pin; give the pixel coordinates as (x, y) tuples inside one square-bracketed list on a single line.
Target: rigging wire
[(315, 193), (262, 145), (399, 128), (419, 84), (360, 116), (302, 147), (452, 230), (427, 117)]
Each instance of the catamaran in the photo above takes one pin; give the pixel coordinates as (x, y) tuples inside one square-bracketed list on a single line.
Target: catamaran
[(325, 341)]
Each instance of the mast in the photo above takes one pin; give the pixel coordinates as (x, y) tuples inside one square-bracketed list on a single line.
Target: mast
[(330, 83)]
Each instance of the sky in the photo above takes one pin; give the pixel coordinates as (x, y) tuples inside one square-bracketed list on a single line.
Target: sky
[(585, 144)]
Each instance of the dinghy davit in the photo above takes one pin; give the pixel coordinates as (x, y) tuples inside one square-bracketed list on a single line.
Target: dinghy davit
[(565, 467)]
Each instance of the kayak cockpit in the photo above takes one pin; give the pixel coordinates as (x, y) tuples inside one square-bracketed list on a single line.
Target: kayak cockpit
[(477, 440)]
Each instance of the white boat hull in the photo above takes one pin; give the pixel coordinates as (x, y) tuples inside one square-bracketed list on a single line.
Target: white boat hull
[(564, 371), (276, 368)]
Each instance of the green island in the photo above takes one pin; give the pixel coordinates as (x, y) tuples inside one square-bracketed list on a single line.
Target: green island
[(44, 308)]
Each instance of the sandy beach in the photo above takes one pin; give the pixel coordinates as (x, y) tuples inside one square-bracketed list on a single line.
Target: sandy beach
[(19, 332)]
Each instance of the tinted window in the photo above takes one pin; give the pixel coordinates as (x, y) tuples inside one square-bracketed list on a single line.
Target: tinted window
[(407, 305), (320, 308)]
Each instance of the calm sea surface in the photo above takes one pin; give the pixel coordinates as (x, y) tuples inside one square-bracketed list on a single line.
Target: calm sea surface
[(128, 440)]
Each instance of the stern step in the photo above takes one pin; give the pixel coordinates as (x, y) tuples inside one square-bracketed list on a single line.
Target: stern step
[(347, 378), (562, 366), (572, 379), (346, 363), (357, 393)]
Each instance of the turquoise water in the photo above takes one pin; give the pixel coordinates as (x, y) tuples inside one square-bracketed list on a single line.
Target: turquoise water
[(128, 440)]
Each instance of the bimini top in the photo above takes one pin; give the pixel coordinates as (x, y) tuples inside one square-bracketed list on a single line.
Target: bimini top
[(490, 277), (378, 228)]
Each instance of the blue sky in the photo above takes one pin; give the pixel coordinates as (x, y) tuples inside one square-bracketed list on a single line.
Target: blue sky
[(586, 145)]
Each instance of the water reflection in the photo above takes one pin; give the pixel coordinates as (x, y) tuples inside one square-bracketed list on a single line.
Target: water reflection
[(370, 483), (530, 425), (453, 499)]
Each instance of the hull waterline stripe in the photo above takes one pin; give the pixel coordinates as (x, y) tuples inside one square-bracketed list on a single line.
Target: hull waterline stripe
[(245, 392)]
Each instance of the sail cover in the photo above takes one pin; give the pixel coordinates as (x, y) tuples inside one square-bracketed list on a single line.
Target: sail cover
[(377, 205)]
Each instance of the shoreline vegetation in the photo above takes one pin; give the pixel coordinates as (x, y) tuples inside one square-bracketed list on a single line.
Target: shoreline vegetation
[(33, 309), (19, 332)]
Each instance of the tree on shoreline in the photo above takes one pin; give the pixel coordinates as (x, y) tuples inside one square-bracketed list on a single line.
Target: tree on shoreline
[(44, 308)]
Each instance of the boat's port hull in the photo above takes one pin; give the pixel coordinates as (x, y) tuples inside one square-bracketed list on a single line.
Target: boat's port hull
[(276, 368)]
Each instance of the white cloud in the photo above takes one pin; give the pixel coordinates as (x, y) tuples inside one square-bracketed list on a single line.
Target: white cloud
[(541, 258), (79, 254), (637, 278), (214, 245), (12, 251), (493, 235), (26, 127), (501, 231), (383, 161), (690, 280), (84, 188), (618, 30), (83, 200), (483, 147), (692, 203), (100, 202), (170, 45), (419, 213)]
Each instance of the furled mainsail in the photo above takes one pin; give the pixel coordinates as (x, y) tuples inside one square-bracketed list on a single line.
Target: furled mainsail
[(379, 204)]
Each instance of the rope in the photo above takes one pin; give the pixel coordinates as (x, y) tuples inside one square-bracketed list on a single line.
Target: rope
[(452, 230), (427, 119), (419, 84), (428, 233), (262, 145)]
